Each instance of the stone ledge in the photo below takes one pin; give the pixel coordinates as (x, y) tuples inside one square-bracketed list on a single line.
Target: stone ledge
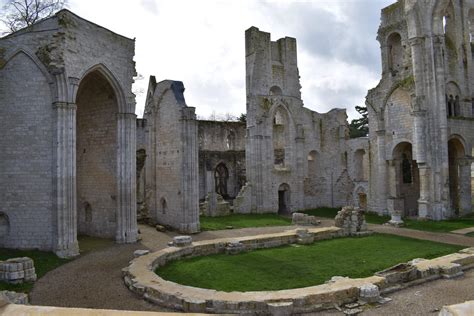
[(140, 278)]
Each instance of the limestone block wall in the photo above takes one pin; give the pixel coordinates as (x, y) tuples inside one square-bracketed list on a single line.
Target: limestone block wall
[(43, 67), (96, 159), (26, 175), (172, 167), (296, 158), (412, 103)]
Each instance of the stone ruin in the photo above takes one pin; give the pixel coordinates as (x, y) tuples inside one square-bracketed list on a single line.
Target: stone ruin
[(181, 241), (304, 219), (352, 221), (11, 297), (215, 205), (17, 270)]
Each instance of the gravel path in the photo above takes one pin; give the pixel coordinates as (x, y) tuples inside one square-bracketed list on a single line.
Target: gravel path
[(94, 279), (91, 281), (448, 238)]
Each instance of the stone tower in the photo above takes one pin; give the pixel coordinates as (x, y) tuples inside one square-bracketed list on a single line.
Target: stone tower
[(295, 158), (421, 126)]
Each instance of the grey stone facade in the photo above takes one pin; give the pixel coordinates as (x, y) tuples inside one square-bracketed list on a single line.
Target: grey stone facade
[(296, 158), (68, 135), (420, 114), (172, 157)]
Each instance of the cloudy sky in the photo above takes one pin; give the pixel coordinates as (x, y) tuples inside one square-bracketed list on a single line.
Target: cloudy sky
[(201, 42)]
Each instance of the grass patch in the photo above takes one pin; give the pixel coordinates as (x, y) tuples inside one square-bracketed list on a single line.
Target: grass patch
[(243, 221), (326, 212), (44, 262), (439, 226), (300, 266), (329, 212), (471, 234)]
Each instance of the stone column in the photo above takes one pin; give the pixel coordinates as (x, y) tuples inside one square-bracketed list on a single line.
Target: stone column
[(381, 174), (423, 201), (297, 194), (465, 192), (65, 180), (190, 174), (126, 179)]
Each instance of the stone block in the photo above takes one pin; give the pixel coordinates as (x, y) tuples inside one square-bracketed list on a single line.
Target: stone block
[(280, 308), (234, 247), (14, 297), (139, 253), (182, 241), (304, 219), (369, 293)]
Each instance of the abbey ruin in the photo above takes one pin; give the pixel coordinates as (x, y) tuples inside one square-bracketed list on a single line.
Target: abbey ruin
[(76, 160)]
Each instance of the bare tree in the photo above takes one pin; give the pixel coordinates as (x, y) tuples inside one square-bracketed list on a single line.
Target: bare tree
[(17, 14)]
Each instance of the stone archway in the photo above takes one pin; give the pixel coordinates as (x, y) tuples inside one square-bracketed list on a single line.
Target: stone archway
[(404, 181), (283, 199), (221, 176), (96, 156)]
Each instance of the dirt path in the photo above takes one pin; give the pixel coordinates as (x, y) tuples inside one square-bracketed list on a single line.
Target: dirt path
[(447, 238), (94, 280)]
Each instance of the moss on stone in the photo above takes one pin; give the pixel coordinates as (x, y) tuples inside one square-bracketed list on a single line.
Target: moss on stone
[(65, 20), (44, 54), (266, 104), (407, 83)]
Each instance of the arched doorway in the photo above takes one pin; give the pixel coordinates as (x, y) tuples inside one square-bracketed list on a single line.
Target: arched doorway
[(283, 199), (455, 153), (221, 175), (96, 156), (405, 182)]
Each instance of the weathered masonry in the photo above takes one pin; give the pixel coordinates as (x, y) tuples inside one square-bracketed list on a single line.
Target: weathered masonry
[(283, 159), (421, 113), (67, 164)]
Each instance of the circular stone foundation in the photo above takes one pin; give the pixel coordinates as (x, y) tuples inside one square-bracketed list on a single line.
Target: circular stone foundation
[(140, 277)]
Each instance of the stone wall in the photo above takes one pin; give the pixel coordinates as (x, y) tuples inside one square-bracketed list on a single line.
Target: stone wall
[(96, 158), (42, 68), (221, 143), (26, 175), (172, 159), (423, 101), (289, 146)]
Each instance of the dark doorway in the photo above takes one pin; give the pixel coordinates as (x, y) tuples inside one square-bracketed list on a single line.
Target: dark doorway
[(283, 199)]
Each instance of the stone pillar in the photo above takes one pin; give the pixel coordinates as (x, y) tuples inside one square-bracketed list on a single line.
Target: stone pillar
[(423, 201), (381, 174), (465, 192), (190, 173), (65, 203), (297, 194), (126, 179)]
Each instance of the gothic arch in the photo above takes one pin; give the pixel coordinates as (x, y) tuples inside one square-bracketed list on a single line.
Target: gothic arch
[(221, 177), (114, 83)]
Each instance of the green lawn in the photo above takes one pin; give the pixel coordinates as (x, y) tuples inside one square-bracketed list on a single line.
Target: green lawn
[(298, 266), (329, 212), (470, 234), (44, 262), (243, 221)]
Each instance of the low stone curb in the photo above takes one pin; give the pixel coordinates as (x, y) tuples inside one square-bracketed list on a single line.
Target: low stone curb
[(140, 278)]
